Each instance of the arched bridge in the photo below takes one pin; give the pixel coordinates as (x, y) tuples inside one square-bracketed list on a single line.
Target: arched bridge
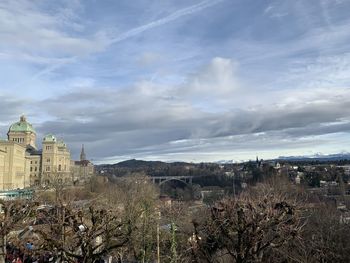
[(162, 179)]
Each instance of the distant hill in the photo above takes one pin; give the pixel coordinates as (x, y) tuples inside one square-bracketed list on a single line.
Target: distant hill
[(317, 157), (141, 164), (135, 164)]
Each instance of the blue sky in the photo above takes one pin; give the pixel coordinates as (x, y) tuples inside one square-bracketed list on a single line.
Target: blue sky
[(179, 80)]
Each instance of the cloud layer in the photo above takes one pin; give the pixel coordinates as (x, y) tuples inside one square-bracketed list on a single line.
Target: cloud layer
[(195, 81)]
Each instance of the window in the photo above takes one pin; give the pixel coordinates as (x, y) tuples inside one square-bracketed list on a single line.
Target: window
[(31, 169), (48, 160), (59, 167), (36, 169), (47, 168)]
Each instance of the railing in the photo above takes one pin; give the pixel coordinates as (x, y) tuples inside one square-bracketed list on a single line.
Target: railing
[(17, 194)]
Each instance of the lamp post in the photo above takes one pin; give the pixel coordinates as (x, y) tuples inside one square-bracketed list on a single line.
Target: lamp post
[(158, 248)]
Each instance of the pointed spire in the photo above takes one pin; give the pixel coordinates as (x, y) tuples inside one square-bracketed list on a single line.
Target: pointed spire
[(82, 154)]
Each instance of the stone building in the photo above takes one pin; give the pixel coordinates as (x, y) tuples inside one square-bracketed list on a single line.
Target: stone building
[(22, 165), (55, 161), (83, 169), (14, 166)]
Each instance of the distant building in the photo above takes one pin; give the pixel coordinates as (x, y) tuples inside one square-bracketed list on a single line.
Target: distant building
[(22, 165), (83, 169), (55, 161)]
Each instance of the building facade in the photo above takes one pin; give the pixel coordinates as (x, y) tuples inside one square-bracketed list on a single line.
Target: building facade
[(82, 170), (55, 161), (22, 165), (14, 166)]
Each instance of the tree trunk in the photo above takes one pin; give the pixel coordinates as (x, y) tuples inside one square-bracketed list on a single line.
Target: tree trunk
[(3, 249)]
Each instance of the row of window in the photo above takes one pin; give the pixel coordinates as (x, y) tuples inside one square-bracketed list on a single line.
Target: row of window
[(47, 169), (47, 160), (19, 140), (35, 169)]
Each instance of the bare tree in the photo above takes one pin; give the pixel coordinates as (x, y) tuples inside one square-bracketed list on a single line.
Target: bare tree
[(247, 228), (325, 238), (84, 234), (138, 197), (13, 215)]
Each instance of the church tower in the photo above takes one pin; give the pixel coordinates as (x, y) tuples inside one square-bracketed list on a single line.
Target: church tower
[(82, 154)]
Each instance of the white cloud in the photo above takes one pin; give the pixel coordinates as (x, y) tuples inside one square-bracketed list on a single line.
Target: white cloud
[(268, 9), (170, 18), (216, 81), (36, 33), (149, 58)]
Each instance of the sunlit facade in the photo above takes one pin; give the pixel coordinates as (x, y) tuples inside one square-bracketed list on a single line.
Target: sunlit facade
[(22, 165)]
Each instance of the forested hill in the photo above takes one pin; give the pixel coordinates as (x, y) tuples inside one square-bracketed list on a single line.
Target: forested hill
[(158, 168), (135, 164)]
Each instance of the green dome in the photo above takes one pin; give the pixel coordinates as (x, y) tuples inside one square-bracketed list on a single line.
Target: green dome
[(49, 138), (61, 143), (22, 126)]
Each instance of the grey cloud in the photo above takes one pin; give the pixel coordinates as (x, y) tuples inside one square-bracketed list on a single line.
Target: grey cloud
[(11, 107), (157, 129), (149, 118), (138, 121)]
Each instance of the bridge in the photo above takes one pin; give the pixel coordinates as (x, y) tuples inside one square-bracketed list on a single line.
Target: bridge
[(163, 179)]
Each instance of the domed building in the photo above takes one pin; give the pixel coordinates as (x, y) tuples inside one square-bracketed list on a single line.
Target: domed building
[(22, 165), (22, 132)]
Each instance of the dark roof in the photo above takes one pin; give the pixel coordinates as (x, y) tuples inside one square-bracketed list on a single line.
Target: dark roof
[(32, 151), (82, 163)]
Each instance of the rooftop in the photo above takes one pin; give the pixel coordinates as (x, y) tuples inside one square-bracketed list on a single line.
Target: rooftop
[(22, 126)]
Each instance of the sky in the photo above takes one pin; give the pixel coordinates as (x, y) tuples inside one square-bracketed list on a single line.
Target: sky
[(173, 80)]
